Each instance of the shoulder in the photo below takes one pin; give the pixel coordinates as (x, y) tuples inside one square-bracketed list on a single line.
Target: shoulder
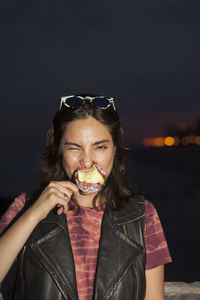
[(139, 205), (133, 210), (136, 202), (20, 201), (134, 206), (149, 208), (13, 210), (152, 218)]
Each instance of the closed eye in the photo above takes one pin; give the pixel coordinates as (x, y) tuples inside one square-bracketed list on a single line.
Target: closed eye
[(71, 148)]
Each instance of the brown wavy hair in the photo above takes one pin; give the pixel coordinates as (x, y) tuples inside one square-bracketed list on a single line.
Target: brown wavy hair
[(115, 190)]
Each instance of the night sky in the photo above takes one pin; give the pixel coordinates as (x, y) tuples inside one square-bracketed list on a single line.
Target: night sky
[(143, 53)]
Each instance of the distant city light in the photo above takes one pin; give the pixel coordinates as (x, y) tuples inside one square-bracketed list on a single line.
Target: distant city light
[(170, 141), (176, 135), (197, 140), (158, 142), (185, 140)]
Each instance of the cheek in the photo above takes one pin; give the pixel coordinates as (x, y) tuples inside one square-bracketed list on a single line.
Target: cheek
[(69, 163), (106, 162)]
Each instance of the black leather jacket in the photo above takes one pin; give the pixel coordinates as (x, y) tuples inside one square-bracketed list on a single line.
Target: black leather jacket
[(46, 267)]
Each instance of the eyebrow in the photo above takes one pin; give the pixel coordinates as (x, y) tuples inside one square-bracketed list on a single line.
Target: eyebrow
[(72, 144), (79, 146), (101, 142)]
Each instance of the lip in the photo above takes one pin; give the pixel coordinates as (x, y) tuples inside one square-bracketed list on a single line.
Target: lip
[(89, 188)]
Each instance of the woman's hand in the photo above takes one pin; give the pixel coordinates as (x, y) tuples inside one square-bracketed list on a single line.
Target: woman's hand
[(57, 193)]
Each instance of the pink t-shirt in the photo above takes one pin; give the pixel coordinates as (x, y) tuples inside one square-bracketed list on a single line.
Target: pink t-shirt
[(84, 231)]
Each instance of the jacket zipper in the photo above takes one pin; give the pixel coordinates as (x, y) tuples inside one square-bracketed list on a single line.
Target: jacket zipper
[(54, 268), (21, 266), (137, 281), (134, 266), (22, 259)]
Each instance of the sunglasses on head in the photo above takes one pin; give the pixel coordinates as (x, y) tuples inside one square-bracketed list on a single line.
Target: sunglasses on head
[(99, 101)]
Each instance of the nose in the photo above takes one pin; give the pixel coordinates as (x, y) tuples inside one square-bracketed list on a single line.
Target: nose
[(86, 160)]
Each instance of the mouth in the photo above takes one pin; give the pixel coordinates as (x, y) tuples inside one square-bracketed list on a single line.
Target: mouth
[(90, 180)]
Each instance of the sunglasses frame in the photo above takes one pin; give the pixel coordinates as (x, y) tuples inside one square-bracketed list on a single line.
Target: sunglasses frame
[(90, 99)]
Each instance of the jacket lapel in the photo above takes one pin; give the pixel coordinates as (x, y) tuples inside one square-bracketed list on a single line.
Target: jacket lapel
[(54, 251), (116, 253)]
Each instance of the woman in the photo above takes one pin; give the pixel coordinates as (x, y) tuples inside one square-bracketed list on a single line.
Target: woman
[(88, 242)]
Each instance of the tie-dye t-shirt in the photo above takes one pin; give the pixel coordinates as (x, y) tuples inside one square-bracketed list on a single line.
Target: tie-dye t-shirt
[(84, 231)]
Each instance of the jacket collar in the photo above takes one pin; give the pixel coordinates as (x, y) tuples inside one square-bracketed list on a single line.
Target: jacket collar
[(133, 210)]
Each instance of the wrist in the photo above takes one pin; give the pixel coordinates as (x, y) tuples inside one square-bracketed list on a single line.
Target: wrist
[(32, 215)]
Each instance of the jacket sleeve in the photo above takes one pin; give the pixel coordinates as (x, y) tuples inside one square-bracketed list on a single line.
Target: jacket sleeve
[(8, 284)]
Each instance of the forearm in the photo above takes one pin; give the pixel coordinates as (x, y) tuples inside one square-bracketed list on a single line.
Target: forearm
[(155, 283), (13, 240)]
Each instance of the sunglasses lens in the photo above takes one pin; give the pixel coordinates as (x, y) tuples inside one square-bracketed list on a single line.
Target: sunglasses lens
[(74, 101), (101, 102)]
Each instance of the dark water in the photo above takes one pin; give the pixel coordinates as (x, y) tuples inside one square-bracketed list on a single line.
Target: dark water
[(169, 177)]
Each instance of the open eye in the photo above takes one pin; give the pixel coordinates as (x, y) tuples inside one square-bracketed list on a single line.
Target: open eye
[(103, 147)]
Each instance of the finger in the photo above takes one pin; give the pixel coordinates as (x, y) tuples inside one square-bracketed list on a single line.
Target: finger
[(69, 185), (49, 199), (60, 210), (66, 195), (60, 191), (62, 205), (56, 198)]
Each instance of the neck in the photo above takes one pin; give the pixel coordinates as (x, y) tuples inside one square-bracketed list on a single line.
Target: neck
[(87, 200)]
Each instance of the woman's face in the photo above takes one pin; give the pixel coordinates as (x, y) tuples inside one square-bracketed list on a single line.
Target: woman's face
[(84, 142)]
